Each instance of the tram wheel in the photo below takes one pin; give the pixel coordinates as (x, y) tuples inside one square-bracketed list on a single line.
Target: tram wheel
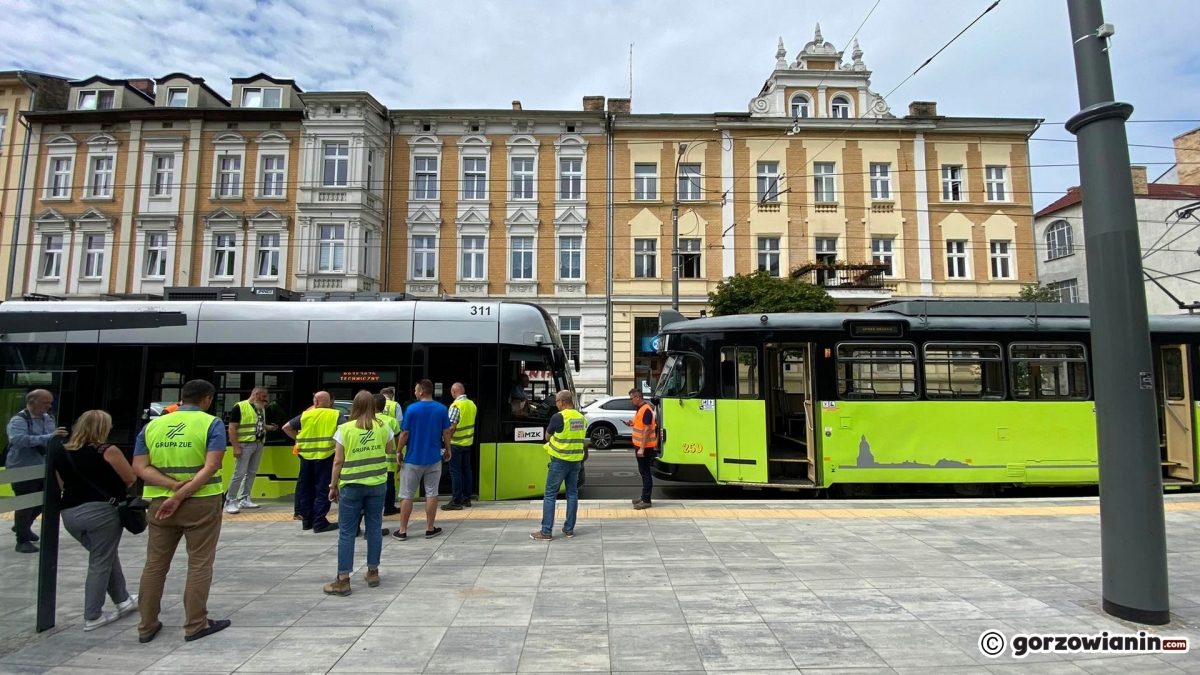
[(972, 489), (857, 490)]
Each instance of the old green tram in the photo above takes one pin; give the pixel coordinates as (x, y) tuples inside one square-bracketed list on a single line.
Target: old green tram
[(960, 393)]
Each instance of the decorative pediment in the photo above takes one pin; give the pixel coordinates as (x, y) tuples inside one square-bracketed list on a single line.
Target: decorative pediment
[(62, 140), (525, 215), (425, 140), (272, 138), (50, 217), (104, 141), (570, 217), (94, 219), (571, 142), (522, 141), (268, 214), (474, 139), (424, 216), (222, 217), (229, 138), (156, 222)]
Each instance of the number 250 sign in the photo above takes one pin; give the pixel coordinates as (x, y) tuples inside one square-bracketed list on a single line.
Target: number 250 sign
[(692, 448)]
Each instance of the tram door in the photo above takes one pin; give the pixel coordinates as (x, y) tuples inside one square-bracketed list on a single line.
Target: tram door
[(790, 450), (1175, 403)]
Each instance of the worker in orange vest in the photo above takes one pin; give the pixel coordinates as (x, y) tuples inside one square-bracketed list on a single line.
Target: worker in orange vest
[(170, 409), (645, 441)]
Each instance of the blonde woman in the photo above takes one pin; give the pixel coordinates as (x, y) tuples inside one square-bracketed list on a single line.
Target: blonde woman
[(91, 472), (360, 464)]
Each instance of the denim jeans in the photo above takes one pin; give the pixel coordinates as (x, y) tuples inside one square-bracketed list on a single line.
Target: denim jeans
[(313, 488), (358, 502), (561, 470), (461, 477)]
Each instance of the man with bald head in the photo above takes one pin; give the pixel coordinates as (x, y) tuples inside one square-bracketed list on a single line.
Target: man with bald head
[(313, 432), (28, 432)]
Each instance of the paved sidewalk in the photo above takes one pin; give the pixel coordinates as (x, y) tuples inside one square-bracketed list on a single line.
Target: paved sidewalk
[(832, 587)]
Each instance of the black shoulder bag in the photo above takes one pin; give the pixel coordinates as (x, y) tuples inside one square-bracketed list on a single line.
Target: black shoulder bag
[(131, 510)]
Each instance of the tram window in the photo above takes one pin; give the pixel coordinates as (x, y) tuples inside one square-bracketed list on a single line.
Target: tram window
[(877, 371), (729, 372), (1049, 372), (529, 384), (682, 376), (969, 371), (747, 369), (1173, 373)]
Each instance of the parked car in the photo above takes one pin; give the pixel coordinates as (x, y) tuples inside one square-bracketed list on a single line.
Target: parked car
[(610, 420)]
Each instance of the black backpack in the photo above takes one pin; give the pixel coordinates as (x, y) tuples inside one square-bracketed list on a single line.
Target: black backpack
[(23, 414)]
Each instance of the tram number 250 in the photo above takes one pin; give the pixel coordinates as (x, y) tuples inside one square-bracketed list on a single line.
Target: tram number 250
[(481, 310), (692, 448)]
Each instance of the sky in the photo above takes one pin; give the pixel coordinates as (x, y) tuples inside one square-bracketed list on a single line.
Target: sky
[(688, 55)]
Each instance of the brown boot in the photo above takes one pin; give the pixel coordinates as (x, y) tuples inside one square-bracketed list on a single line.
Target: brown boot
[(339, 586), (372, 577)]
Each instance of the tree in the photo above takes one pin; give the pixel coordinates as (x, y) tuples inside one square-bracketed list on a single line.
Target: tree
[(1036, 292), (761, 293)]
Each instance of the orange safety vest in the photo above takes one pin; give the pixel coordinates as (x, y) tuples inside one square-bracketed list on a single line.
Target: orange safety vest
[(170, 409), (296, 447), (645, 436)]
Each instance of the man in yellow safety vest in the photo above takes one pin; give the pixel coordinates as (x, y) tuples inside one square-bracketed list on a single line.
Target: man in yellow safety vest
[(313, 432), (566, 434), (462, 437), (392, 409)]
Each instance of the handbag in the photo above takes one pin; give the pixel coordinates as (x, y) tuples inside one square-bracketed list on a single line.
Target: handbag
[(130, 510)]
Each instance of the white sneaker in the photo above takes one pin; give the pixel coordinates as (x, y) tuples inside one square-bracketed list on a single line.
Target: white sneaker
[(245, 503), (105, 619), (231, 507), (128, 607)]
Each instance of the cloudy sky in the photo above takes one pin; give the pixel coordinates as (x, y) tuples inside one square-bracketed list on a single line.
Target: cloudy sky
[(689, 55)]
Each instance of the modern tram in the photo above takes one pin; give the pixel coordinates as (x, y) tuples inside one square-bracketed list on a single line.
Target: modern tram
[(295, 349), (974, 395)]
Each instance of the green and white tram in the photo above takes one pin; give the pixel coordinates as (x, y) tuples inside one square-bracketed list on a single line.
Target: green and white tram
[(961, 393), (295, 349)]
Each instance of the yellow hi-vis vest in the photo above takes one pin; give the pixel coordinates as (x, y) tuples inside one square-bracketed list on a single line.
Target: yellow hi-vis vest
[(393, 462), (315, 438), (389, 409), (178, 445), (248, 423), (568, 443), (366, 454), (464, 432)]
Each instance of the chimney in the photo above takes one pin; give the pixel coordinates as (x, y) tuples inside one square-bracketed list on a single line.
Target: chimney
[(1139, 180), (1187, 158), (619, 106), (143, 84), (516, 105), (593, 104), (922, 109)]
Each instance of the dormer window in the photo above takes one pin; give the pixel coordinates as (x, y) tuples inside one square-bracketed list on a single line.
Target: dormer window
[(570, 128), (177, 97), (426, 127), (475, 128), (93, 99), (799, 106), (841, 107), (262, 97)]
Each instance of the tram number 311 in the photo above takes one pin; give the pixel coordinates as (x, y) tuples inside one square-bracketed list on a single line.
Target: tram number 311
[(692, 448), (481, 310)]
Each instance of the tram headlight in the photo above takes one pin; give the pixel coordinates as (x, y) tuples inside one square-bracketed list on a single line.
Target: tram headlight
[(763, 318)]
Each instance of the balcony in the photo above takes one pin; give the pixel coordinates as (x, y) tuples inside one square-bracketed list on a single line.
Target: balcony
[(843, 275)]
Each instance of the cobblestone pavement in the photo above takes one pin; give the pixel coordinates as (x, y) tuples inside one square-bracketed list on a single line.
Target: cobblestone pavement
[(832, 587)]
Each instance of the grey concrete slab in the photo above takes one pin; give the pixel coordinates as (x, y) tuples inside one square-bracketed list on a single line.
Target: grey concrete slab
[(862, 605), (506, 576), (665, 648), (575, 607), (787, 602), (358, 609), (758, 573), (698, 575), (910, 644), (496, 607), (545, 650), (706, 604), (303, 649), (648, 575), (632, 606), (829, 644), (478, 649), (275, 609), (383, 649), (739, 646), (430, 606), (225, 652), (571, 576)]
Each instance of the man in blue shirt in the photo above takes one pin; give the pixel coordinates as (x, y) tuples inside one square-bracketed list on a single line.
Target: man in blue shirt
[(426, 432), (28, 432)]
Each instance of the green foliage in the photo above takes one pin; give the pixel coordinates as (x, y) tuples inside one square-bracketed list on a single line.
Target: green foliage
[(1036, 292), (761, 293)]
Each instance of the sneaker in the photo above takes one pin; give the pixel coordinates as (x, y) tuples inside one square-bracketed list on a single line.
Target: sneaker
[(340, 587), (390, 511), (401, 536), (467, 503), (127, 607), (452, 506), (297, 516), (538, 536), (231, 507), (372, 577), (327, 527), (32, 536), (104, 619), (568, 533), (26, 547), (213, 627), (430, 534), (641, 505), (245, 503)]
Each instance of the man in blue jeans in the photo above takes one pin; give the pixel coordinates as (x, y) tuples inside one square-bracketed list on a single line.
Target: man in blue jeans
[(566, 433)]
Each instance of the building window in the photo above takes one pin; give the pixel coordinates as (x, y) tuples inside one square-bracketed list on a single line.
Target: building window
[(337, 164), (522, 258), (997, 183), (177, 98), (262, 97), (426, 178), (826, 255), (768, 255), (1001, 259), (102, 177), (570, 179), (424, 257), (570, 257), (956, 259), (475, 178), (1060, 240), (800, 105), (96, 100), (881, 180), (645, 181), (472, 258), (569, 329), (93, 256), (952, 183), (224, 255), (229, 176), (689, 259), (370, 169), (164, 175), (647, 361), (645, 258), (1067, 290), (273, 174), (60, 178), (768, 182), (689, 182), (331, 248), (881, 254), (268, 256), (3, 129), (522, 178), (824, 182), (52, 253), (366, 261), (840, 107), (156, 256)]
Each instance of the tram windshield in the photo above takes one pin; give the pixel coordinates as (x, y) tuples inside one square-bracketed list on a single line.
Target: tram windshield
[(682, 377), (530, 379)]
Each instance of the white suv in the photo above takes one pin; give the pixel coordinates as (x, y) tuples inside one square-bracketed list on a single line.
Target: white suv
[(610, 419)]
